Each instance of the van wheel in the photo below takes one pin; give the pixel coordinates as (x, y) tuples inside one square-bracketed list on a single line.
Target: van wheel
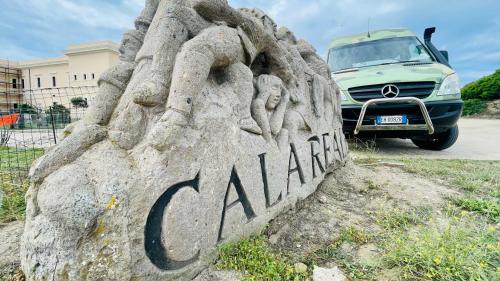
[(438, 142)]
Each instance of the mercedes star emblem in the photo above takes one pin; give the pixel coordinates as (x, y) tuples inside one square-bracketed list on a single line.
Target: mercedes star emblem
[(390, 91)]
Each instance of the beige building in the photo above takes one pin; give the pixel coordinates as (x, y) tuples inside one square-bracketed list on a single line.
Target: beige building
[(81, 66), (45, 82)]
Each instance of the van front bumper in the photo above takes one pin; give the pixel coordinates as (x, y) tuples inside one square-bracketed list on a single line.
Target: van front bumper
[(444, 115)]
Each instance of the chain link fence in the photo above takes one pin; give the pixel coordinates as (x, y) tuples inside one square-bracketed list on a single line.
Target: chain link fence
[(28, 128)]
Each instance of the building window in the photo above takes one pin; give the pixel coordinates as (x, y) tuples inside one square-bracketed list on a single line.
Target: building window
[(75, 77), (53, 81), (93, 76), (84, 76), (14, 83), (39, 82), (22, 83)]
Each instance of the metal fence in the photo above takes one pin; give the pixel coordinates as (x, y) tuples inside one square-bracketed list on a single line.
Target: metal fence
[(30, 127)]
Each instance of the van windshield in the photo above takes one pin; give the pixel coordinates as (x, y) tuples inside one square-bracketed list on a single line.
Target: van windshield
[(378, 52)]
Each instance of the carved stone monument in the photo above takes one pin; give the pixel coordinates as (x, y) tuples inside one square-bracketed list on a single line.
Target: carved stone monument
[(213, 122)]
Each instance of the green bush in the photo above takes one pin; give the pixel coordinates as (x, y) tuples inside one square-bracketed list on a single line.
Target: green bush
[(486, 88), (474, 106)]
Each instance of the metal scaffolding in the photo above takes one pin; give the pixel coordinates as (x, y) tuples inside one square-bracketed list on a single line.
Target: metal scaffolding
[(11, 88)]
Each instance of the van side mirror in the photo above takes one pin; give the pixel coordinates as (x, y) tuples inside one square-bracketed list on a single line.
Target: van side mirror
[(445, 54)]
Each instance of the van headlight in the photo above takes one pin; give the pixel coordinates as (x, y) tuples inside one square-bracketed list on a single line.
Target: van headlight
[(450, 86), (343, 96)]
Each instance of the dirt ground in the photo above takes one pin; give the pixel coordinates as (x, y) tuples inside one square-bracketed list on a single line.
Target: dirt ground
[(352, 197)]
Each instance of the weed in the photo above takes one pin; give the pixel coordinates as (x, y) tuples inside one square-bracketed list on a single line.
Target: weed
[(331, 253), (403, 219), (364, 145), (462, 252), (353, 235), (13, 205), (13, 181), (471, 176), (488, 207), (372, 185), (254, 257)]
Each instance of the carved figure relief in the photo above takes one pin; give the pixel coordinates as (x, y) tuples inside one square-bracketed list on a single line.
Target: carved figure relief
[(212, 123)]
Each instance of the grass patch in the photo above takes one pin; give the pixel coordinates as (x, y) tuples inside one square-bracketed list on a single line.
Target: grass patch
[(13, 206), (472, 176), (254, 257), (402, 219), (18, 160), (463, 251), (353, 235), (332, 252), (14, 165), (487, 207)]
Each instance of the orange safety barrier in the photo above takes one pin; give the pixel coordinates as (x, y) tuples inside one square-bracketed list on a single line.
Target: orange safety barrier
[(8, 120)]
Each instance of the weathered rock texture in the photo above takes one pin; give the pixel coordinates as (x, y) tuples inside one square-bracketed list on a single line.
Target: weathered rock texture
[(213, 122)]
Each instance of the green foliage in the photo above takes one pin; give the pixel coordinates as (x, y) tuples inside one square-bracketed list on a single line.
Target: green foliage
[(465, 251), (13, 205), (79, 102), (353, 235), (27, 108), (486, 88), (254, 257), (348, 263), (59, 113), (57, 109), (13, 181), (472, 176), (487, 207), (403, 219), (474, 106)]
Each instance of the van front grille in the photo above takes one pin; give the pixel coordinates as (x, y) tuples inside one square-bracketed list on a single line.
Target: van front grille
[(419, 90)]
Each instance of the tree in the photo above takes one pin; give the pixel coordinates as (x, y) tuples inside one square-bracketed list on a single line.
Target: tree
[(27, 108), (59, 113), (79, 102)]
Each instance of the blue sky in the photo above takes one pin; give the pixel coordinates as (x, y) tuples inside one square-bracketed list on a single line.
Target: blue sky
[(469, 30)]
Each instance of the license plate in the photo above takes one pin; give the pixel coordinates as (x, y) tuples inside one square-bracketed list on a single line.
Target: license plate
[(398, 119)]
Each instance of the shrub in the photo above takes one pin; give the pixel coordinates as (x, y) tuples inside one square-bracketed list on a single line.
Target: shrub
[(474, 106), (486, 88)]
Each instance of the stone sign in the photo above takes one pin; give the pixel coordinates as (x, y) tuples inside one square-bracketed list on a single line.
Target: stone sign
[(213, 122)]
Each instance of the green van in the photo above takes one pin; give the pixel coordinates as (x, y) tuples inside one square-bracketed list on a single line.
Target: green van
[(393, 85)]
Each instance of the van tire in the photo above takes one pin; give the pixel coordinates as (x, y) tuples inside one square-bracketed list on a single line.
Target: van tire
[(438, 142)]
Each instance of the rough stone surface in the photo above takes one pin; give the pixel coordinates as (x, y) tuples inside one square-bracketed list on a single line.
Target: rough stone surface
[(328, 274), (216, 275), (10, 235), (300, 267), (213, 123)]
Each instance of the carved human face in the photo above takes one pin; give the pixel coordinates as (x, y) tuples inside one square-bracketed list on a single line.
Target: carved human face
[(274, 96), (129, 47)]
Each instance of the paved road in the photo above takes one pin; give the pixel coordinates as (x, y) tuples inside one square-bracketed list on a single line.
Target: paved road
[(479, 140)]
